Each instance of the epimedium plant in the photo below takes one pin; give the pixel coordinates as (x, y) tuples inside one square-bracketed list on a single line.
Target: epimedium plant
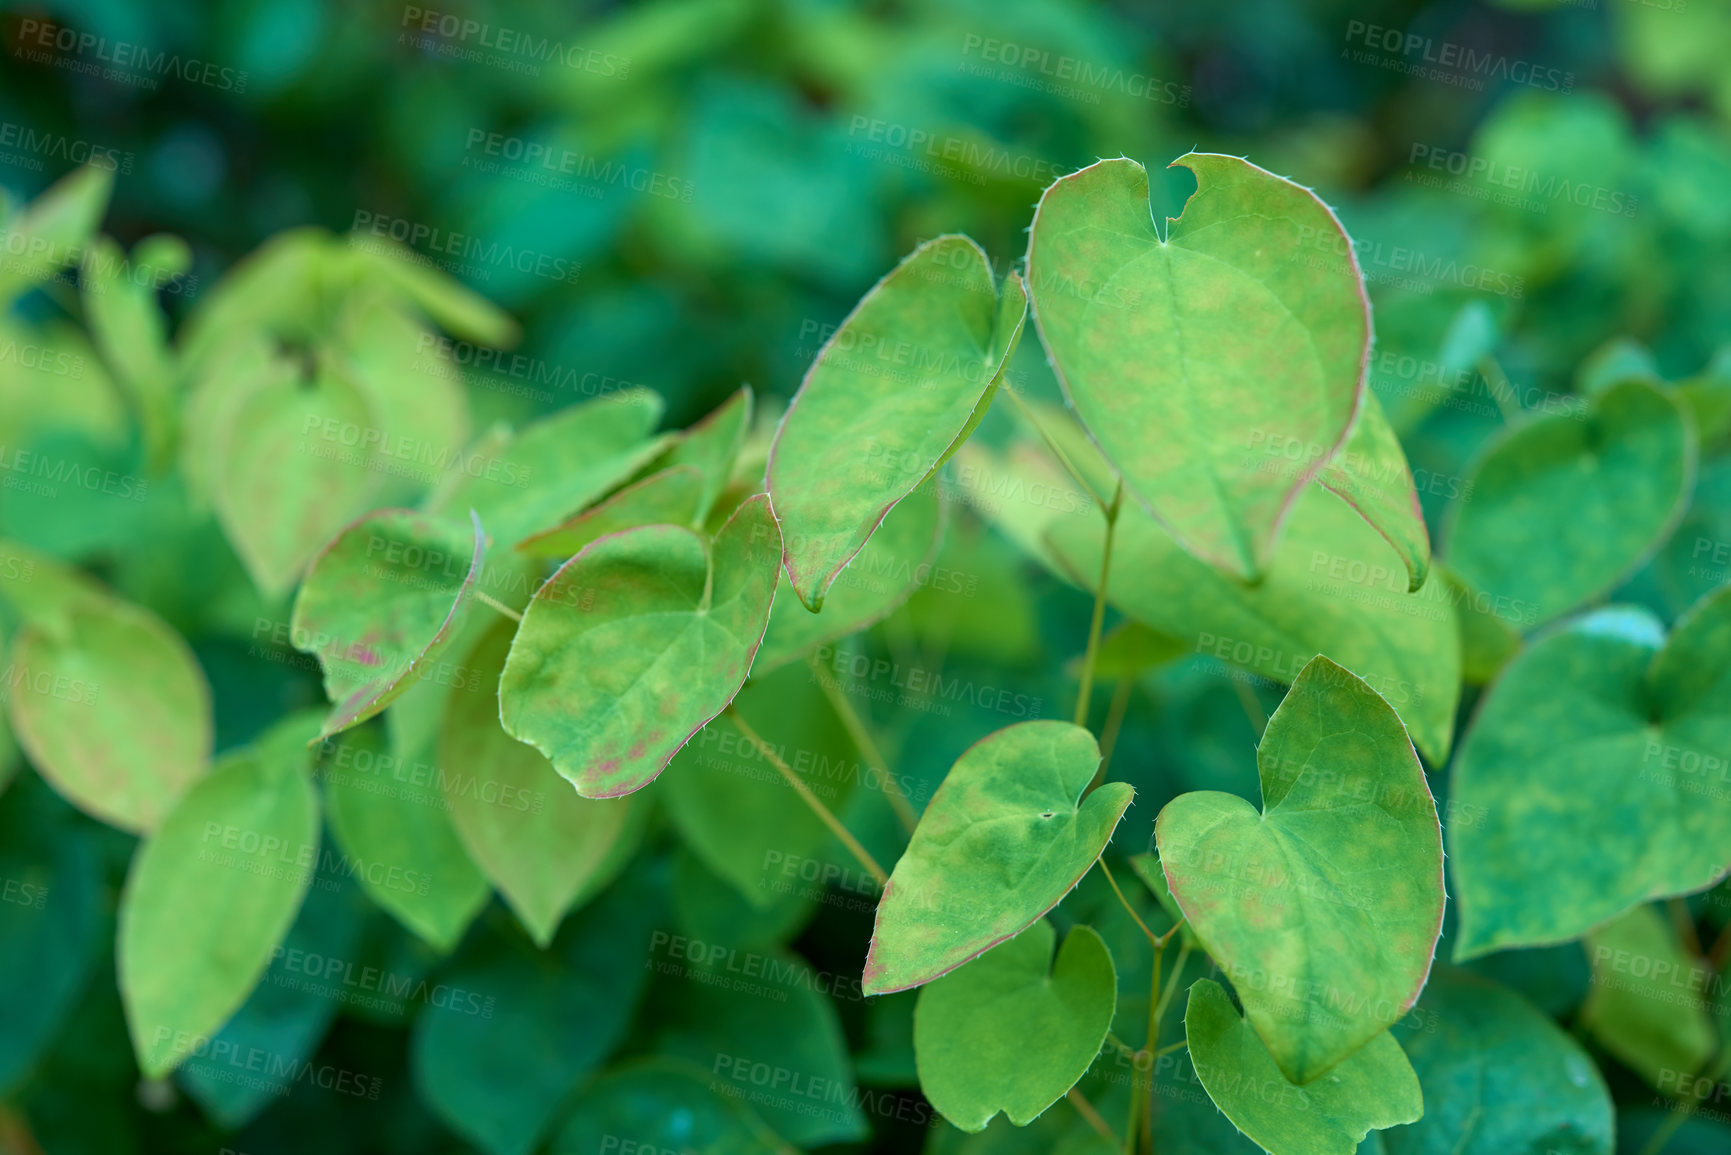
[(552, 630)]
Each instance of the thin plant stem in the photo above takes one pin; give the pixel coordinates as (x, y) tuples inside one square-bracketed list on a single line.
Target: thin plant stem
[(1087, 1111), (1114, 722), (1086, 689), (1177, 973), (810, 799), (1686, 1107), (1170, 1047), (868, 748), (1502, 392), (486, 598), (1252, 708), (1684, 923), (1154, 1008), (1152, 937), (1720, 950)]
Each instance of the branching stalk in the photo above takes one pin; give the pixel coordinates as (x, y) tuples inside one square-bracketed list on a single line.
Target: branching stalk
[(812, 800)]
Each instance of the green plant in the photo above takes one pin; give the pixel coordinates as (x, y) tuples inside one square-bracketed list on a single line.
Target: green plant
[(582, 663)]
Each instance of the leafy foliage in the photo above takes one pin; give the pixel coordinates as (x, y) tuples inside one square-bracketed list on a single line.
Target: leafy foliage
[(352, 581)]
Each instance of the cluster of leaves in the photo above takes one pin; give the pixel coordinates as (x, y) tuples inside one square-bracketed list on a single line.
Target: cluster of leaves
[(582, 664)]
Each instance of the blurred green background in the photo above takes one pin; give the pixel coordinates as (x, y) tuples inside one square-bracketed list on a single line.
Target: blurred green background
[(688, 195)]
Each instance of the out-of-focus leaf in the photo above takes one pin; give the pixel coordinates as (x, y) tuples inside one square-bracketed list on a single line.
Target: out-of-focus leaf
[(664, 1104), (116, 714), (212, 892), (1648, 1005)]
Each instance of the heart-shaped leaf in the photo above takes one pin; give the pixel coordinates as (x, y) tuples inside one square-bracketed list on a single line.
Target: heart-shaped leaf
[(1333, 586), (1370, 473), (1151, 340), (293, 467), (115, 713), (1568, 505), (1499, 1077), (1648, 1005), (1004, 838), (545, 847), (1598, 762), (973, 1026), (637, 642), (381, 603), (212, 892), (400, 842), (892, 394), (1376, 1088), (550, 470), (1325, 907), (672, 497), (894, 563)]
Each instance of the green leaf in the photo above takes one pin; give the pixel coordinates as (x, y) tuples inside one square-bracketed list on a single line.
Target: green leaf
[(45, 592), (381, 603), (115, 714), (555, 467), (497, 1064), (50, 234), (402, 843), (635, 643), (671, 497), (1566, 506), (212, 892), (541, 844), (737, 813), (1147, 336), (1374, 1089), (772, 1039), (1648, 1004), (266, 1046), (1333, 586), (713, 446), (454, 307), (1323, 908), (880, 577), (892, 394), (973, 1026), (1598, 762), (1004, 838), (1370, 473), (1130, 648), (292, 469), (1499, 1077), (663, 1105)]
